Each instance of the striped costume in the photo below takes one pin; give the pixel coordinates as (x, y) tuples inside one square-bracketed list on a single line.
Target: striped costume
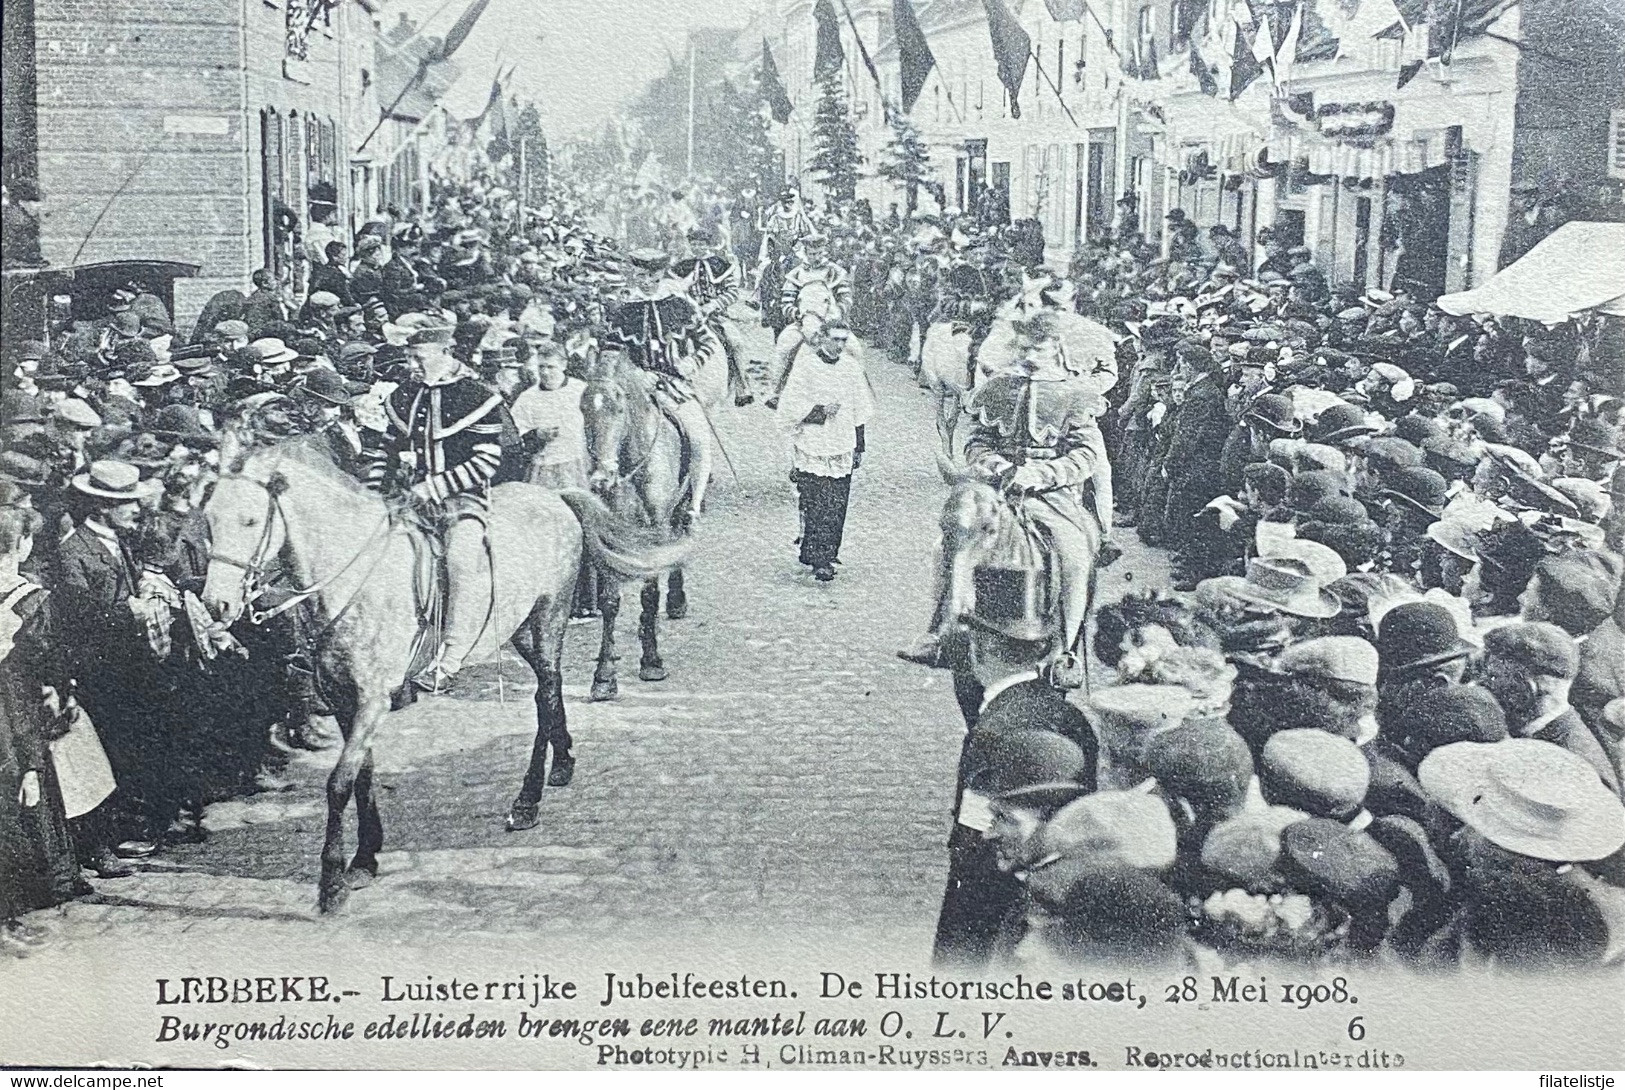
[(803, 285), (445, 437)]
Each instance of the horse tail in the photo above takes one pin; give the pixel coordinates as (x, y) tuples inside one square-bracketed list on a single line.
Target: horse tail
[(618, 545)]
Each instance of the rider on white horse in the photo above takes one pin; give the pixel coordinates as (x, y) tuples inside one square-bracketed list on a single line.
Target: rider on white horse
[(714, 282), (444, 444), (815, 291), (1035, 438)]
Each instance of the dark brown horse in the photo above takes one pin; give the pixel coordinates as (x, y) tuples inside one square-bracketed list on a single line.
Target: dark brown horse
[(354, 561)]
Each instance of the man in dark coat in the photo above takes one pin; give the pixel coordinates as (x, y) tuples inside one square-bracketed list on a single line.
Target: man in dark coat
[(332, 277), (1200, 427), (265, 305), (1006, 778)]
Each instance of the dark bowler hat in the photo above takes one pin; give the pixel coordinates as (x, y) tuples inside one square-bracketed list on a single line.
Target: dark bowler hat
[(1035, 768), (1418, 488), (1328, 859), (1418, 635), (1244, 851), (17, 407), (1307, 490), (325, 385), (1338, 510), (1417, 429), (23, 471), (1275, 413), (179, 424), (1012, 602), (1339, 423)]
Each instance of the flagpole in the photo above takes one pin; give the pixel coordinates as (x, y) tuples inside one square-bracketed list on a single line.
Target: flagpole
[(691, 108), (1068, 110)]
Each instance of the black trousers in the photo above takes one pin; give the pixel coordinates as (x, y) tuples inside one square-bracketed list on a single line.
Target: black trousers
[(823, 516)]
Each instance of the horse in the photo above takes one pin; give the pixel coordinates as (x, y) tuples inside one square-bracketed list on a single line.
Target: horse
[(356, 563), (945, 370), (650, 478), (980, 523)]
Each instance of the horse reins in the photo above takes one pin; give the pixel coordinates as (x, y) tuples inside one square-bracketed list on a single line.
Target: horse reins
[(256, 565)]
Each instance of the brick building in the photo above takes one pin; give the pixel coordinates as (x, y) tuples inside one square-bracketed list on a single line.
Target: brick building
[(187, 130)]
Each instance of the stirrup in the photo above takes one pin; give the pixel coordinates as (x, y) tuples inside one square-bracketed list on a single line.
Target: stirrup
[(1066, 672), (433, 680)]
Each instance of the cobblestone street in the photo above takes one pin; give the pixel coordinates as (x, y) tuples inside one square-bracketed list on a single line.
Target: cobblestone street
[(792, 770)]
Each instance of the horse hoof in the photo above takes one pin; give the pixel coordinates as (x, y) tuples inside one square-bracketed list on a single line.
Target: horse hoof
[(676, 611), (359, 877), (563, 771), (652, 672), (522, 816), (331, 901), (604, 689)]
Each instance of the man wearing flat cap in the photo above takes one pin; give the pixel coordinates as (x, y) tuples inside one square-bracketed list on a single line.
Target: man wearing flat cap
[(443, 448), (1530, 668)]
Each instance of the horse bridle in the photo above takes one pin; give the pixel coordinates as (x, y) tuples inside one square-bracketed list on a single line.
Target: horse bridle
[(256, 564)]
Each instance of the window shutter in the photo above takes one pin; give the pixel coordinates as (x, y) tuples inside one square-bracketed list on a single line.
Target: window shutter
[(1616, 144)]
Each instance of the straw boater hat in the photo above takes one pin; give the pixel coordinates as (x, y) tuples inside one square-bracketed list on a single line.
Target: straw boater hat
[(1527, 796), (119, 482), (1282, 584)]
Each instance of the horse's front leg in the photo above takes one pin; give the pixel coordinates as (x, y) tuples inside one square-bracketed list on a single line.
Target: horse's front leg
[(604, 684), (333, 891), (650, 668)]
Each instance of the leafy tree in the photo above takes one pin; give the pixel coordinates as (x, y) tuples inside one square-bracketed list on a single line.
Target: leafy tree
[(736, 151), (907, 161), (836, 158)]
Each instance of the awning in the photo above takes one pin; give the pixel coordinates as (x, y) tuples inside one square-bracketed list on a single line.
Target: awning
[(1578, 267)]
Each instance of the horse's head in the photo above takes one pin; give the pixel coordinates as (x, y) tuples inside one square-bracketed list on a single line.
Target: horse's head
[(605, 409), (246, 533)]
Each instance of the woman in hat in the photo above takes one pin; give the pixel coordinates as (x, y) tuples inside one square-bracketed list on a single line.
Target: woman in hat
[(37, 863)]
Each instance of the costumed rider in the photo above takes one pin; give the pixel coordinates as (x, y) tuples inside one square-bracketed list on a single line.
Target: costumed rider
[(1035, 438), (664, 335), (443, 447), (781, 227), (1088, 353), (816, 291), (714, 284)]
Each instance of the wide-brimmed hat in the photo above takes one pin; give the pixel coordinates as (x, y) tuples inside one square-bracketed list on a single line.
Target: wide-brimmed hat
[(1418, 635), (1322, 560), (1527, 796), (1286, 585), (1035, 768), (1595, 437), (1012, 602), (107, 479), (271, 352), (160, 374)]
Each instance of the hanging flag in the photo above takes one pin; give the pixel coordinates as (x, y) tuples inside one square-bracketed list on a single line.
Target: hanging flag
[(1244, 64), (1067, 11), (1204, 74), (830, 56), (1012, 48), (1407, 72), (913, 51), (1150, 65), (1286, 51), (778, 99), (461, 29)]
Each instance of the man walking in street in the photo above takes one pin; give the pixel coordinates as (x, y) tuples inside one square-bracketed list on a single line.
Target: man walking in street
[(825, 406)]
